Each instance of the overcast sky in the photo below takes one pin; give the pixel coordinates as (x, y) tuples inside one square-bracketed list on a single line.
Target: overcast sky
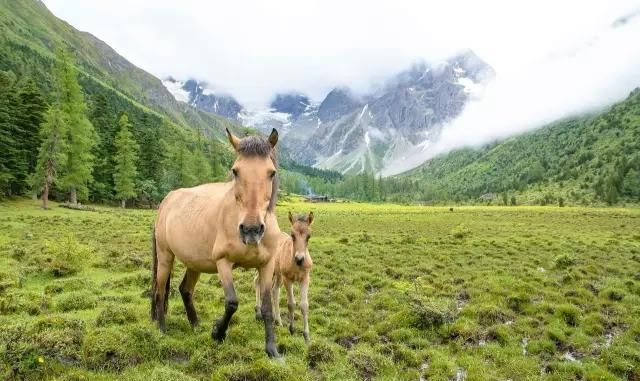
[(552, 58)]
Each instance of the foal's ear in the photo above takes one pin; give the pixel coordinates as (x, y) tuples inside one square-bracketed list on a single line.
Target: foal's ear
[(310, 218), (235, 142), (290, 218), (273, 138)]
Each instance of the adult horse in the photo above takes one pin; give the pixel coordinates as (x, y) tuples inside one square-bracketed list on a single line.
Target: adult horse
[(213, 228)]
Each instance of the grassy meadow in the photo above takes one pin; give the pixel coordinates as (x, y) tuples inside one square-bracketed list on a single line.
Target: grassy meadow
[(397, 293)]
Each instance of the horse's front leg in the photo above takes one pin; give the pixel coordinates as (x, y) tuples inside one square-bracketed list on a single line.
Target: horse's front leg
[(304, 307), (230, 301), (256, 285), (266, 278), (291, 304), (276, 299)]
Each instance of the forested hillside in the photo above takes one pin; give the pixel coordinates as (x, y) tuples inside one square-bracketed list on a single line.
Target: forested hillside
[(180, 146), (587, 160)]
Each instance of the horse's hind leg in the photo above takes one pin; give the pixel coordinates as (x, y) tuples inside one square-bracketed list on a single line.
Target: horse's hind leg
[(186, 291), (161, 289)]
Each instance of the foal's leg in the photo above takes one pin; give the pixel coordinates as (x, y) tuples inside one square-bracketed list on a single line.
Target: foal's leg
[(275, 291), (291, 304), (186, 290), (230, 301), (256, 285), (266, 278), (161, 292), (304, 307)]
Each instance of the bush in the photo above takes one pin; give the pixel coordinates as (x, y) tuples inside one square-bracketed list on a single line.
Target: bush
[(319, 352), (65, 257), (614, 294), (80, 300), (563, 261), (432, 312), (115, 314), (569, 313), (29, 347)]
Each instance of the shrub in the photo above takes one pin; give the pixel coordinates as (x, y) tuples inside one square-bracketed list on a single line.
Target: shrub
[(319, 352), (80, 300), (614, 294), (54, 338), (432, 312), (569, 313), (65, 257), (115, 314), (563, 261)]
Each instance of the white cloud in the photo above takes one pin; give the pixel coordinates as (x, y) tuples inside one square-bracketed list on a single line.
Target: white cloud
[(552, 58)]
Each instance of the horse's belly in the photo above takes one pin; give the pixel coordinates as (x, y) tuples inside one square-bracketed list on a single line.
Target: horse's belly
[(202, 265)]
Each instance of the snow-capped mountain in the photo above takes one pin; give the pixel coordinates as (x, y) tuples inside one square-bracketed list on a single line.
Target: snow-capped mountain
[(382, 131), (386, 131), (199, 95)]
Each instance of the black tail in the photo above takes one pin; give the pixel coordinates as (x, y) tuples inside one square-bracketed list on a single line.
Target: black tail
[(154, 274)]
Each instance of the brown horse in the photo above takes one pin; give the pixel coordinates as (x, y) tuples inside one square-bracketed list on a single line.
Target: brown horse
[(293, 265), (213, 228)]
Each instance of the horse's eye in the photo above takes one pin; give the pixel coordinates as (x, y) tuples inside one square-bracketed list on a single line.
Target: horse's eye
[(235, 172), (293, 237), (309, 236), (272, 174)]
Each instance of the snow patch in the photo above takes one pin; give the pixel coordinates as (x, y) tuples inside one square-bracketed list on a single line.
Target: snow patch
[(175, 88)]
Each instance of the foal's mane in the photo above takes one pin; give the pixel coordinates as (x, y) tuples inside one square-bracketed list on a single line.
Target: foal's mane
[(260, 147)]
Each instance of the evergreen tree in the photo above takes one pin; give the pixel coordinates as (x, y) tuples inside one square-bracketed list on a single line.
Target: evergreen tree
[(104, 121), (51, 154), (9, 152), (29, 118), (631, 185), (202, 168), (80, 132), (126, 156)]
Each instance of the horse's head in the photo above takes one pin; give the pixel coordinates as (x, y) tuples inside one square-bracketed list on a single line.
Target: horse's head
[(255, 183), (300, 234)]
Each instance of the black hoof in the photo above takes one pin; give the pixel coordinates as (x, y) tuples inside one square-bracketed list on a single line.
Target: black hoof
[(218, 334), (272, 351)]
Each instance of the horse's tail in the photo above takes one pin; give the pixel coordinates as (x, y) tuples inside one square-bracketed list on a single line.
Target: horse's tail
[(154, 273)]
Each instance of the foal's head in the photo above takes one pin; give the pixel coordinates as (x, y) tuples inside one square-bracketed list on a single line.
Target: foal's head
[(300, 234), (255, 183)]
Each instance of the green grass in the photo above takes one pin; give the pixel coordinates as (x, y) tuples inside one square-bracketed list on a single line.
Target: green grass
[(398, 292)]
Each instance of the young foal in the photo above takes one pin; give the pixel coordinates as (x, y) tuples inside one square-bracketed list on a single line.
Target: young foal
[(293, 265)]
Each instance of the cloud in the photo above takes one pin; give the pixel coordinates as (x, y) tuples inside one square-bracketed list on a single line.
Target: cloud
[(574, 78)]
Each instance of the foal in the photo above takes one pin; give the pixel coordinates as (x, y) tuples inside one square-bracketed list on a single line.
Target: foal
[(293, 265)]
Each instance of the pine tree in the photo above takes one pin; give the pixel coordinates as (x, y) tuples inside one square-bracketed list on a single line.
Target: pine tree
[(29, 118), (631, 185), (80, 132), (105, 123), (125, 159), (202, 168), (51, 154), (9, 153)]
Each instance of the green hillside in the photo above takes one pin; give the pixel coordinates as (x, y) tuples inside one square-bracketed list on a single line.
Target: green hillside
[(29, 34), (587, 160)]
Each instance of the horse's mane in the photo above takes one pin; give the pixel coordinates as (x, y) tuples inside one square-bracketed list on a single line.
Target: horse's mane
[(259, 146)]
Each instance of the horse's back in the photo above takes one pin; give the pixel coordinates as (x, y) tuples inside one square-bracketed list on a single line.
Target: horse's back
[(187, 223)]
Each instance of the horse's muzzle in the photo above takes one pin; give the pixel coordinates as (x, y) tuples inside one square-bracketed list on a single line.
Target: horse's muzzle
[(251, 234), (299, 259)]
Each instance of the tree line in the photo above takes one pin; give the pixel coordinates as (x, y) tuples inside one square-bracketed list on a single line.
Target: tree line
[(54, 142)]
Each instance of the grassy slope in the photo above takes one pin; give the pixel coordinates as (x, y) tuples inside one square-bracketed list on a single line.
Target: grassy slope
[(397, 292), (30, 24), (563, 158)]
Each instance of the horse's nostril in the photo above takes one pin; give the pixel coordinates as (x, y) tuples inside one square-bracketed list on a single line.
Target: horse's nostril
[(242, 228), (261, 228)]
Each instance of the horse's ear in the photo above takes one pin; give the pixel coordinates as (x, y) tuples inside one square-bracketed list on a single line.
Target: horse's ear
[(290, 218), (273, 138), (310, 218), (235, 142)]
